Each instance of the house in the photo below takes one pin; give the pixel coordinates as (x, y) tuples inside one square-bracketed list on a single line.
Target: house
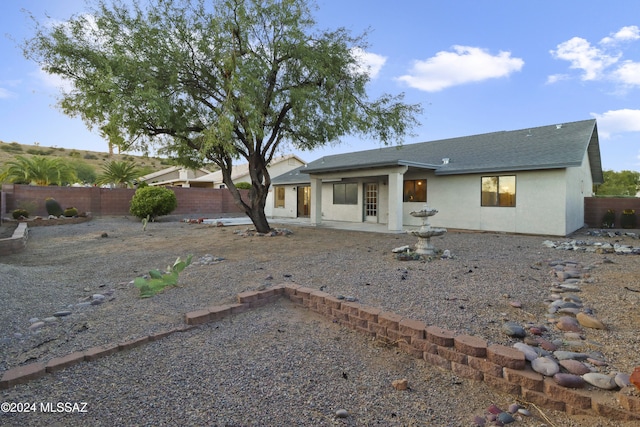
[(531, 181), (240, 173), (173, 176)]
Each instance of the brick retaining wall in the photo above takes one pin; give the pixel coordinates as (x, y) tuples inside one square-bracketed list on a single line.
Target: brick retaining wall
[(113, 201), (502, 368), (17, 242)]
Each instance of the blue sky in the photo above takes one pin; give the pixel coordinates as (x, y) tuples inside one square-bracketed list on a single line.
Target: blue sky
[(476, 66)]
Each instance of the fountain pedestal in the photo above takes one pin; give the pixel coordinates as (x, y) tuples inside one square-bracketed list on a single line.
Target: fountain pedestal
[(426, 232)]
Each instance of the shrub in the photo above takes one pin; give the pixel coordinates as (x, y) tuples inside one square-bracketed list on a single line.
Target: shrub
[(90, 156), (628, 218), (153, 202), (243, 186), (53, 207), (69, 212), (20, 213)]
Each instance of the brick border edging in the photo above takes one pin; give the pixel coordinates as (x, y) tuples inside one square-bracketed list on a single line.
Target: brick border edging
[(501, 367), (17, 242)]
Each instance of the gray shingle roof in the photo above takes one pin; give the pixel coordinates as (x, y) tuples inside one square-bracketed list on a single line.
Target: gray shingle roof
[(545, 147)]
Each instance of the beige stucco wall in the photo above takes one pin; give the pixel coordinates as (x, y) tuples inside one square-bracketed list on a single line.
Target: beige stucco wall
[(540, 204), (548, 202)]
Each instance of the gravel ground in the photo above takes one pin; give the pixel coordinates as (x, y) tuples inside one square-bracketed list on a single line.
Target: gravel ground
[(279, 365)]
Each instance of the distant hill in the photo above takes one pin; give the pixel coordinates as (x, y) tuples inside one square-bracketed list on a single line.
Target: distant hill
[(93, 159)]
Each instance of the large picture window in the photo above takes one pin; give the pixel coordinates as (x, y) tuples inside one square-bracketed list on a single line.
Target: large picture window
[(279, 197), (345, 194), (499, 191), (414, 190)]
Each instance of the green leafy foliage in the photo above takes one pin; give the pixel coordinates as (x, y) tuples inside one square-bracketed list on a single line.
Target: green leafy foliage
[(158, 281), (53, 207), (38, 170), (151, 202), (20, 213), (243, 185), (624, 183), (70, 212), (122, 174), (213, 82)]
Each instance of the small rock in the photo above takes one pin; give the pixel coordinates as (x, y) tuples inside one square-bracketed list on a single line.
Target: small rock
[(525, 412), (342, 413), (545, 366), (569, 380), (505, 418), (515, 304), (36, 325), (50, 319), (402, 384), (529, 352), (589, 321), (562, 355), (493, 409), (574, 367), (62, 313), (566, 323), (635, 377), (602, 381), (34, 320), (622, 380), (513, 408), (513, 330)]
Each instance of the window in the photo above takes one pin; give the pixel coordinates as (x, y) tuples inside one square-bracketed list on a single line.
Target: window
[(499, 191), (415, 191), (345, 194), (279, 197)]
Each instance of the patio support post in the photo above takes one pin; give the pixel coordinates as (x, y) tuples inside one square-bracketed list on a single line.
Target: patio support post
[(395, 199), (316, 201)]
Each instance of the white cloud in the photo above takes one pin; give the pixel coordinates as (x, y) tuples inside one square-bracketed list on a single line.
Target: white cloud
[(628, 73), (629, 33), (368, 63), (465, 64), (554, 78), (4, 93), (583, 56), (601, 61), (617, 121)]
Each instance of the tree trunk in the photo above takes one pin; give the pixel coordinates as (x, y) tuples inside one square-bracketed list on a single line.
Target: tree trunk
[(260, 182)]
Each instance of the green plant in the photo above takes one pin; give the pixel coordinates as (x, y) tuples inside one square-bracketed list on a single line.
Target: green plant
[(20, 213), (38, 170), (122, 174), (145, 221), (157, 280), (153, 202), (243, 186), (628, 218), (53, 207), (70, 212)]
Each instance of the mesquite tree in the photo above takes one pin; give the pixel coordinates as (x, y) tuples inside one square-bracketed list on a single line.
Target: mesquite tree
[(216, 81)]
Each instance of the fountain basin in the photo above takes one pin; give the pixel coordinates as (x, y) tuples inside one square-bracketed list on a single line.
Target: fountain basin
[(423, 213), (425, 234)]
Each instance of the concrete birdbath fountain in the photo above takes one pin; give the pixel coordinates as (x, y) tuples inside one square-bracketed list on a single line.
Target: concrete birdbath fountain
[(426, 232)]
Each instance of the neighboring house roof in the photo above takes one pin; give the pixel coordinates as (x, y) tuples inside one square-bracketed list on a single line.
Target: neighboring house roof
[(172, 174), (296, 176), (545, 147), (239, 171)]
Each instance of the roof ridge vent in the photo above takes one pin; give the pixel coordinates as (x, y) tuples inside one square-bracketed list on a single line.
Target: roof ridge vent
[(445, 160)]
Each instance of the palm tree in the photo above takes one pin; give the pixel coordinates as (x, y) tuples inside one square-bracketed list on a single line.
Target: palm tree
[(122, 174), (38, 170)]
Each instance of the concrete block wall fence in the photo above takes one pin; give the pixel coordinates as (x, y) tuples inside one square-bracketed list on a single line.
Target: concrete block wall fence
[(112, 201), (596, 207), (502, 368)]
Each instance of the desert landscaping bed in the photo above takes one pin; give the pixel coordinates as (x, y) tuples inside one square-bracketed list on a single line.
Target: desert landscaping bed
[(470, 293)]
